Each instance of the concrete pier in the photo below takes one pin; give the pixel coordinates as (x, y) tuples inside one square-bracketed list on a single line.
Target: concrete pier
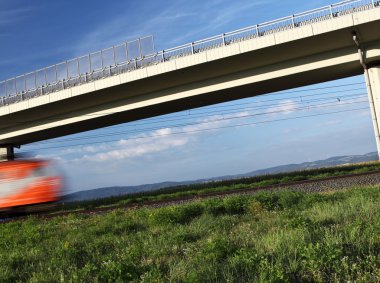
[(7, 153), (372, 76)]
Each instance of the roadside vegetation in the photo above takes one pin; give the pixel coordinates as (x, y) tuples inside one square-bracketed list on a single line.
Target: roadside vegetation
[(266, 237), (222, 186)]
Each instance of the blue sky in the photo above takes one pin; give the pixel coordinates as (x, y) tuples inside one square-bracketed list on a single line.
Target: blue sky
[(194, 144)]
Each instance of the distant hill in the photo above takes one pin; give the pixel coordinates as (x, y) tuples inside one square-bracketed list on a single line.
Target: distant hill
[(117, 191)]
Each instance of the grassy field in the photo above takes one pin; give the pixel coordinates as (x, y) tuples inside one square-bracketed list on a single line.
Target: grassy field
[(227, 185), (266, 237)]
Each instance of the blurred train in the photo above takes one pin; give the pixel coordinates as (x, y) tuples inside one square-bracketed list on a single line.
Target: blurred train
[(29, 186)]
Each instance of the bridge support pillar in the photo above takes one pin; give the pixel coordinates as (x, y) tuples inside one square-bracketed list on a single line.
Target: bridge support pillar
[(372, 76), (7, 153)]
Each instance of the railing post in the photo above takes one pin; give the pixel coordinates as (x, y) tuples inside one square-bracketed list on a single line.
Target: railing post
[(126, 51), (114, 55), (373, 3), (163, 55), (56, 73), (78, 67), (331, 12), (46, 82), (154, 47), (293, 24), (89, 61), (101, 58), (67, 71), (224, 39), (192, 48), (257, 30), (140, 49), (35, 81)]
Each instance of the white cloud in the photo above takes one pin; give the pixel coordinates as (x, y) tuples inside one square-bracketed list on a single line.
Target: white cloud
[(129, 149), (135, 146), (173, 25), (119, 29), (224, 13), (50, 157), (286, 107), (149, 142), (212, 123), (11, 15)]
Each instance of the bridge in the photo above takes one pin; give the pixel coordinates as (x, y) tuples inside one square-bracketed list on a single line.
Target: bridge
[(332, 42)]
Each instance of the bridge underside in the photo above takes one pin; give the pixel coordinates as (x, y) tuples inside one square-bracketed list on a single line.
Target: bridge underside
[(304, 61)]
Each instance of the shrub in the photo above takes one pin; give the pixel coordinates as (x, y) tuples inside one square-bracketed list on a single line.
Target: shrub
[(217, 248), (299, 221), (214, 206), (230, 205), (236, 204), (268, 200), (290, 199), (176, 214), (254, 208)]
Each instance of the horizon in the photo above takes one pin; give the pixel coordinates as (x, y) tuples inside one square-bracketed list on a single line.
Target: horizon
[(232, 176)]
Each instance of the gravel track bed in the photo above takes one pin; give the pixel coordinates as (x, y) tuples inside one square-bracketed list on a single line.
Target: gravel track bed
[(338, 183), (311, 186), (322, 185)]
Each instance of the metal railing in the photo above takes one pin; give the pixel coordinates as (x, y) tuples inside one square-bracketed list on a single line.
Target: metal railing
[(74, 72), (134, 55)]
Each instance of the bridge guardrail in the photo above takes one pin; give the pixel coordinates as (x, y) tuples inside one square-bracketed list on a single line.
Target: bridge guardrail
[(130, 56)]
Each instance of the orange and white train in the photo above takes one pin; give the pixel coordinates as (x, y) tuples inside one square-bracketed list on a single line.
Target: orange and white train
[(26, 184)]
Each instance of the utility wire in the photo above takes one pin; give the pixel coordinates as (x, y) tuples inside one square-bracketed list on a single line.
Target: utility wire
[(191, 111), (279, 99), (308, 106), (318, 88), (179, 125), (210, 129)]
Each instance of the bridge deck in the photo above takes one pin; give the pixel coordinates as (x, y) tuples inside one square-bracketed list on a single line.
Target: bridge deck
[(283, 56)]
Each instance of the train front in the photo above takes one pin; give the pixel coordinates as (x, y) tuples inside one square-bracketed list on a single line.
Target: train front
[(29, 186)]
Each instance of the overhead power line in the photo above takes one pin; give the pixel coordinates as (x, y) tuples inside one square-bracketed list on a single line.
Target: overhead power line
[(238, 110), (307, 107), (209, 129), (176, 126), (310, 89)]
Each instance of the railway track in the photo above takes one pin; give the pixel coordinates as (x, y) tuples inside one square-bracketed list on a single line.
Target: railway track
[(314, 185)]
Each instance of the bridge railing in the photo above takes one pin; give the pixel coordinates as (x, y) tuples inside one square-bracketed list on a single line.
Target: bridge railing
[(140, 53), (73, 72)]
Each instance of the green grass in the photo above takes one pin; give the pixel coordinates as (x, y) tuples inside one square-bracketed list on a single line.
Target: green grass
[(221, 186), (266, 237)]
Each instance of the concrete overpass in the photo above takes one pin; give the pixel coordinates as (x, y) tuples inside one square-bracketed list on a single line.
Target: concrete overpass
[(299, 50)]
